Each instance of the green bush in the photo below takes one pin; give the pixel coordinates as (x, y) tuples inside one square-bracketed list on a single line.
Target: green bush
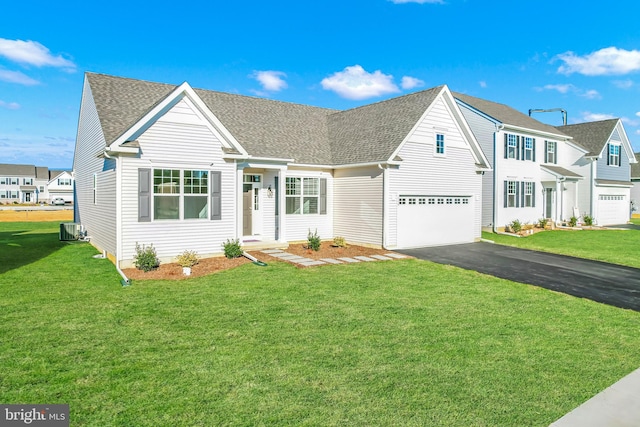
[(146, 258), (314, 241), (339, 242), (232, 248), (588, 219), (515, 226), (188, 259), (542, 222), (573, 221)]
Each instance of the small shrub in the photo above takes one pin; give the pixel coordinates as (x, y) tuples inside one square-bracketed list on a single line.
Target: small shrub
[(146, 258), (339, 242), (588, 220), (573, 221), (542, 223), (188, 259), (232, 249), (314, 241), (515, 226)]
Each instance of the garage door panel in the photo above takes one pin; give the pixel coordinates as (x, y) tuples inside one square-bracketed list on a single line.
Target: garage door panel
[(434, 220), (612, 209)]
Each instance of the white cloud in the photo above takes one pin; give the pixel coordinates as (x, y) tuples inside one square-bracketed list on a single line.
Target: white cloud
[(482, 84), (591, 94), (595, 117), (569, 88), (32, 53), (411, 82), (638, 132), (638, 114), (418, 1), (271, 81), (355, 83), (623, 84), (607, 61), (17, 77), (566, 88), (630, 122), (9, 105)]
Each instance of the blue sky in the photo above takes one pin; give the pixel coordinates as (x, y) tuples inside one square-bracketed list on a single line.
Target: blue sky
[(583, 57)]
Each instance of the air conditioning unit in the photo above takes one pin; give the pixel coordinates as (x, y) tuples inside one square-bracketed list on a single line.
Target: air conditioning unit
[(69, 231)]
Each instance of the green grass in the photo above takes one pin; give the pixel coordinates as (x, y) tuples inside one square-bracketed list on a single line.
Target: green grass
[(635, 221), (614, 246), (387, 343)]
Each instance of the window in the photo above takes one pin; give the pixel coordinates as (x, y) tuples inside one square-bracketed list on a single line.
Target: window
[(14, 181), (196, 194), (511, 146), (402, 201), (511, 194), (12, 194), (42, 188), (28, 181), (440, 144), (440, 201), (529, 147), (4, 180), (527, 194), (551, 152), (432, 201), (422, 201), (465, 201), (303, 195), (3, 194), (166, 194), (614, 155), (64, 181)]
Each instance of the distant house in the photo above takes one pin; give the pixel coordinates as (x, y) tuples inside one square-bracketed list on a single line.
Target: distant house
[(635, 190), (60, 185), (23, 183), (611, 157), (184, 168)]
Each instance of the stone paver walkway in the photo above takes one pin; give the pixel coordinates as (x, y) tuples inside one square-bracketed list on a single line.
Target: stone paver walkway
[(308, 262)]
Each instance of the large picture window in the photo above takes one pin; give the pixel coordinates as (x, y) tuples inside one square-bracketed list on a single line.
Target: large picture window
[(303, 196), (173, 189)]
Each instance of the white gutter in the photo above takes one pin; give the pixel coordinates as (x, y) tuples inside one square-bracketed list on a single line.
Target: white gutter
[(499, 127), (385, 203), (537, 132)]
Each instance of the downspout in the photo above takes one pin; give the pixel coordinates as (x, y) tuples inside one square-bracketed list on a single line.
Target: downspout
[(499, 128), (385, 204), (125, 280)]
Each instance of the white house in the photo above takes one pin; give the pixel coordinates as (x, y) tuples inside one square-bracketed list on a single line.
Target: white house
[(23, 183), (60, 185), (184, 168), (610, 158)]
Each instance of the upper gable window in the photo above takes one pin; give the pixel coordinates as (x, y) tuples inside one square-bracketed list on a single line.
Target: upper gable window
[(614, 155), (551, 152), (440, 144), (64, 181), (511, 146)]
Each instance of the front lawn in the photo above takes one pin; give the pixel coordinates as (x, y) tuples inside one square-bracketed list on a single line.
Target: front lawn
[(614, 246), (385, 343)]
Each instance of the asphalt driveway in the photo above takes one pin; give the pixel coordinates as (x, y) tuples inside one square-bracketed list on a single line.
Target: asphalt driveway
[(599, 281)]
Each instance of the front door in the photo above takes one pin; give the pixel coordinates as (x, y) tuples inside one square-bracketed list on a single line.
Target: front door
[(27, 197), (548, 203), (251, 205)]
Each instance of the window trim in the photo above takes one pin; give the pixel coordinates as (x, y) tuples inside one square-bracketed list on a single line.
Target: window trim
[(614, 159), (511, 194), (528, 153), (440, 145), (554, 152), (303, 196), (180, 194), (511, 145)]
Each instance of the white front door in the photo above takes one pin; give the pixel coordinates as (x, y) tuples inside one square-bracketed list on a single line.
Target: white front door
[(251, 205)]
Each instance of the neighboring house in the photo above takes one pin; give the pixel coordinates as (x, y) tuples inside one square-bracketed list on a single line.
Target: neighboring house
[(187, 169), (635, 190), (611, 157), (537, 172), (23, 183), (60, 185)]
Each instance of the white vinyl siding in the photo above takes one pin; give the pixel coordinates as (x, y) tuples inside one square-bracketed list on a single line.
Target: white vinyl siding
[(99, 219), (169, 144), (358, 207)]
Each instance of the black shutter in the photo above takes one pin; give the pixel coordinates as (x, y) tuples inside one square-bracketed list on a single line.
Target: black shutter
[(323, 196), (608, 152), (144, 195), (506, 194), (522, 203), (506, 146), (545, 159), (517, 195), (216, 200), (555, 153), (521, 147), (533, 155), (533, 194)]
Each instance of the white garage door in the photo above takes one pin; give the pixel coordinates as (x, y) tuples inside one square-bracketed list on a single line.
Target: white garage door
[(434, 220), (612, 209)]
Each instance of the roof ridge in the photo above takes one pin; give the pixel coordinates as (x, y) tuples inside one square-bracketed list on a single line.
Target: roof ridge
[(382, 101)]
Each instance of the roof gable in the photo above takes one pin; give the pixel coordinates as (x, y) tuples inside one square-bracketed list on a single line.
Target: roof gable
[(595, 136), (506, 115)]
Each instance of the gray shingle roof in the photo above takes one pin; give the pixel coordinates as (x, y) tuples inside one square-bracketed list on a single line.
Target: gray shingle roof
[(635, 167), (591, 135), (506, 115), (267, 128), (373, 132), (9, 170), (561, 171)]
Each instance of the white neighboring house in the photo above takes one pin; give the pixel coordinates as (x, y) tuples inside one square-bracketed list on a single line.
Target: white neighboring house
[(23, 183), (60, 185), (187, 169), (538, 172)]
